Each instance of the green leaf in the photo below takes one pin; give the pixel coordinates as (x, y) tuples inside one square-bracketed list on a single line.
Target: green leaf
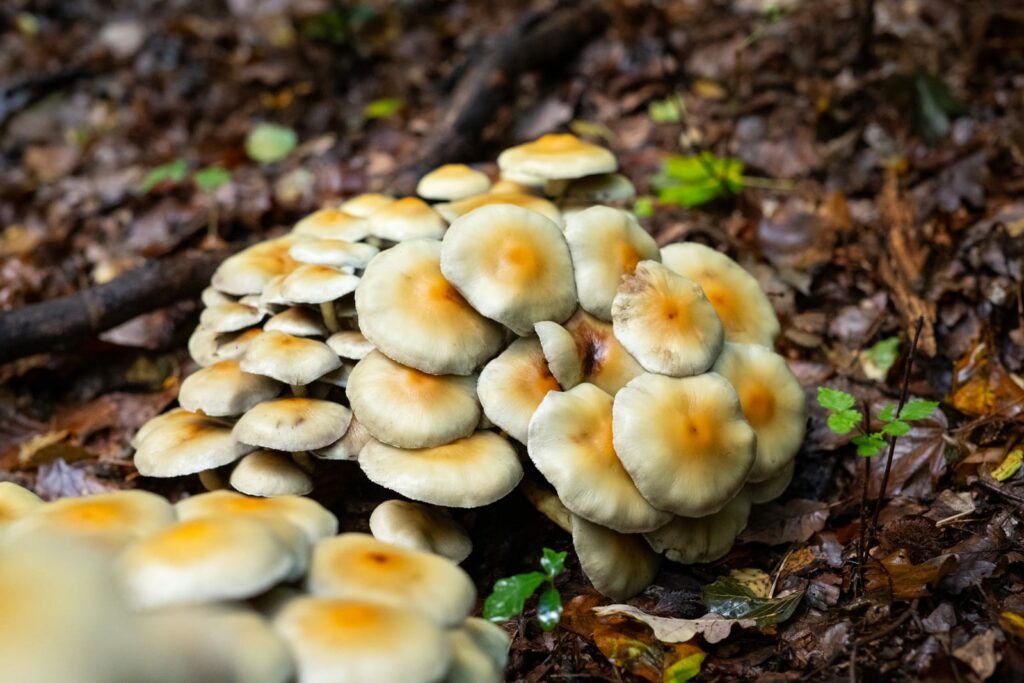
[(918, 409), (844, 421), (896, 428), (174, 171), (553, 563), (868, 445), (269, 142), (833, 399), (685, 669), (383, 108), (697, 179), (888, 413), (1009, 466), (668, 110), (644, 207), (510, 594), (549, 609), (884, 353), (730, 598), (211, 178)]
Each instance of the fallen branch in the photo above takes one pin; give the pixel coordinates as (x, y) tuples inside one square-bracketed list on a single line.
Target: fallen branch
[(57, 323)]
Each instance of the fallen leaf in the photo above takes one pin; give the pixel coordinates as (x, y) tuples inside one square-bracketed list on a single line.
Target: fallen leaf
[(730, 598), (794, 521), (897, 578), (983, 387), (712, 627), (1009, 466), (61, 480), (980, 654), (756, 581)]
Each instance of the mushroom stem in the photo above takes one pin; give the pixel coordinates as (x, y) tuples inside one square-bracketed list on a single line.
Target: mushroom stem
[(330, 317), (546, 503), (298, 390), (304, 460)]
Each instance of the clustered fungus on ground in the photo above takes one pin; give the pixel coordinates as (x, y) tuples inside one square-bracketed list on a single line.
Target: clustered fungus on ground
[(443, 346)]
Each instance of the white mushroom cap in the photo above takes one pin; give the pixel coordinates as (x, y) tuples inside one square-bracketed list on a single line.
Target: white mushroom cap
[(333, 224), (665, 321), (349, 445), (268, 473), (171, 416), (211, 297), (420, 527), (16, 502), (586, 349), (366, 204), (410, 409), (619, 565), (336, 253), (230, 317), (313, 518), (746, 313), (455, 210), (509, 186), (350, 344), (606, 245), (249, 271), (357, 641), (223, 389), (310, 284), (358, 566), (404, 299), (234, 346), (570, 442), (202, 346), (406, 219), (293, 424), (490, 638), (185, 444), (512, 386), (768, 490), (451, 182), (556, 156), (684, 441), (288, 359), (297, 321), (704, 539), (606, 187), (470, 663), (439, 475), (512, 265), (772, 401)]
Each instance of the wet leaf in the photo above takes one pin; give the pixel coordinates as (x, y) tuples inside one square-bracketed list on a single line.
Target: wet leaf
[(897, 578), (552, 563), (712, 627), (736, 600), (270, 142), (510, 594), (1009, 466), (982, 386), (549, 609)]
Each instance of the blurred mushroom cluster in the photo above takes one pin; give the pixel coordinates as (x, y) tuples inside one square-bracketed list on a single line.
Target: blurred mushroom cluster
[(223, 587), (437, 340)]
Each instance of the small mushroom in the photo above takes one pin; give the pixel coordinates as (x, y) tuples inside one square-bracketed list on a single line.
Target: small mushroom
[(333, 224), (186, 443), (512, 386), (490, 638), (705, 539), (470, 663), (268, 473), (420, 527), (350, 344), (313, 518), (406, 219), (451, 182), (203, 346), (618, 565), (230, 317), (455, 210), (605, 187), (312, 284), (768, 490), (234, 346), (557, 156), (16, 502), (223, 389), (292, 360), (585, 349), (249, 271), (349, 445), (297, 321), (366, 204), (293, 424), (335, 253)]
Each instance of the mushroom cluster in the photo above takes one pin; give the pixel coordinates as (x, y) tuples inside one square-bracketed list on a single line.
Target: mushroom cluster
[(426, 340), (126, 586)]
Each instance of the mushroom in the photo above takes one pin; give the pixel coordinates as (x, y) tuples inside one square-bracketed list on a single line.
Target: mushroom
[(556, 156), (293, 360), (406, 219), (586, 349), (512, 265), (665, 321), (455, 210), (404, 300), (292, 424), (333, 224), (202, 346), (359, 641), (223, 389), (451, 182), (186, 443), (441, 475), (570, 442), (366, 204), (358, 566), (605, 187), (230, 317), (313, 518), (407, 408), (320, 285), (768, 490), (684, 441), (16, 502), (470, 662), (772, 401), (704, 539), (618, 565), (297, 321), (268, 473), (512, 386), (332, 252), (606, 245), (249, 271), (508, 186), (350, 344), (490, 638), (234, 346), (420, 527), (212, 297), (745, 312), (349, 445)]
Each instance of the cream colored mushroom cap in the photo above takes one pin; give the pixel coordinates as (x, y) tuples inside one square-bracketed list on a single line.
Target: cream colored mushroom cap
[(333, 252), (203, 560), (223, 389), (618, 565), (212, 296), (557, 156), (297, 321), (16, 502), (333, 224), (606, 187), (512, 386), (288, 359), (366, 204), (509, 186), (439, 475), (490, 638), (451, 182), (202, 346), (354, 565), (171, 416), (684, 441), (359, 641), (606, 245), (314, 519), (268, 473), (249, 271), (230, 317), (349, 445), (404, 219), (350, 344), (586, 349), (404, 299), (293, 424), (186, 444), (407, 408), (311, 284), (570, 442), (761, 492), (561, 353), (690, 540), (512, 265), (420, 527), (455, 210), (234, 346), (470, 663), (665, 322), (744, 309)]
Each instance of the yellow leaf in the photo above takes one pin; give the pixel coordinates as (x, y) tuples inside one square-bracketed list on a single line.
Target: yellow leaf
[(1009, 466)]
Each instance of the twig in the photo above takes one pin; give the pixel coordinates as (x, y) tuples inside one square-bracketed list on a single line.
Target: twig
[(862, 546), (881, 633)]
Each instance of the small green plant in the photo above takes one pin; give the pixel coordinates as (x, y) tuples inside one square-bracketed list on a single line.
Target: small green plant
[(697, 179), (270, 142), (844, 418), (171, 172), (668, 110), (383, 108), (511, 593), (211, 178)]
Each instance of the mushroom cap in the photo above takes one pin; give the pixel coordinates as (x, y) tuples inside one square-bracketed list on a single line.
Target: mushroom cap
[(509, 186), (223, 389), (439, 475), (357, 641), (605, 187), (333, 224), (109, 521), (404, 219), (761, 492), (366, 204), (512, 265), (570, 442), (288, 359), (451, 182), (350, 344), (665, 321), (512, 386), (407, 408), (557, 156), (314, 519), (586, 349), (212, 296), (203, 560), (404, 299), (684, 441), (744, 309), (171, 416), (230, 317), (293, 424), (16, 502), (349, 445), (420, 527), (185, 444), (331, 252), (606, 245), (310, 284), (358, 566), (297, 321), (455, 210), (618, 565), (268, 473), (490, 638), (470, 662), (249, 271), (203, 346), (690, 540), (772, 401), (234, 346)]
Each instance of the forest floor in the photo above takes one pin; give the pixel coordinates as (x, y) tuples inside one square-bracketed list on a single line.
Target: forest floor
[(893, 135)]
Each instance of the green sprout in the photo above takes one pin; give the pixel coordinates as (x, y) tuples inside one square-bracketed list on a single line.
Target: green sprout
[(511, 593), (844, 418)]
